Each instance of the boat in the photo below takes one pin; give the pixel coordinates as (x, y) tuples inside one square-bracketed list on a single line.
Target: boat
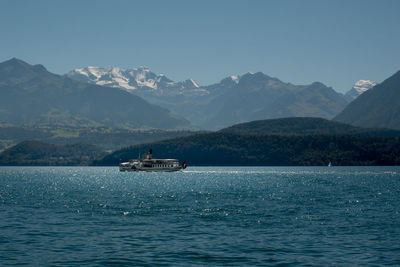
[(330, 164), (149, 164)]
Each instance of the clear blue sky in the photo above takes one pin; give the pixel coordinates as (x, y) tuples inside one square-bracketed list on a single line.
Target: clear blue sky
[(335, 42)]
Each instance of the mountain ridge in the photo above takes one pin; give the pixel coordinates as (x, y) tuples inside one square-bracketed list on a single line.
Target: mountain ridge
[(137, 80), (31, 95), (259, 96), (236, 98)]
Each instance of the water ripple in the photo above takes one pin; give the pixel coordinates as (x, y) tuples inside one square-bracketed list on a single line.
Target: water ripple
[(232, 216)]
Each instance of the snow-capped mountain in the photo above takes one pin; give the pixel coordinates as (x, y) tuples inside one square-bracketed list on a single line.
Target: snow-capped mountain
[(239, 98), (30, 95), (139, 80), (359, 87)]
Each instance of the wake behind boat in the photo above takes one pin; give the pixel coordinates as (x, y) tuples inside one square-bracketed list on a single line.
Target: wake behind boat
[(149, 164)]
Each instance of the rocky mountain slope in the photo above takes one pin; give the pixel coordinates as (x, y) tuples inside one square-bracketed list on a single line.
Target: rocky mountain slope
[(359, 87), (377, 107)]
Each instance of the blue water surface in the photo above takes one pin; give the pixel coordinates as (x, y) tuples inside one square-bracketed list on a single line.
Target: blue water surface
[(227, 216)]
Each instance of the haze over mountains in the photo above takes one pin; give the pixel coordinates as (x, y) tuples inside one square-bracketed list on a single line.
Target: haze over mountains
[(240, 98)]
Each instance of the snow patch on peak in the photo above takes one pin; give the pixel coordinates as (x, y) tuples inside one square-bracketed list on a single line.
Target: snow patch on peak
[(115, 69), (359, 88), (195, 84), (96, 71), (363, 85), (82, 72), (235, 78)]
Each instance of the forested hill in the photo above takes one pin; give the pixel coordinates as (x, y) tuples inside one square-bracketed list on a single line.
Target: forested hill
[(251, 144), (107, 139), (277, 142), (304, 126), (41, 154), (216, 149)]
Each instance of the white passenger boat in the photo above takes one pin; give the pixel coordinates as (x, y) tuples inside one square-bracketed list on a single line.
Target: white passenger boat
[(150, 164)]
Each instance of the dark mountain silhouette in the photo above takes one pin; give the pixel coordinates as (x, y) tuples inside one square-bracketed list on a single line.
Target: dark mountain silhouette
[(377, 107)]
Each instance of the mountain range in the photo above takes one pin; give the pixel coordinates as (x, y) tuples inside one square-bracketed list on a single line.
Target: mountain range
[(239, 98), (30, 95), (140, 80), (255, 96)]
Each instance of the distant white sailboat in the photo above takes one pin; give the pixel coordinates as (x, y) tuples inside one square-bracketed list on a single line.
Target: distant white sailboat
[(330, 164)]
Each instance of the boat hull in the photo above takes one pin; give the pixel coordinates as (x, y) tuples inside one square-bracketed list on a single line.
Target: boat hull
[(144, 169)]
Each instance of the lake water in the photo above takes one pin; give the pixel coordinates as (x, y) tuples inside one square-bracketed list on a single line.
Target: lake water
[(79, 216)]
